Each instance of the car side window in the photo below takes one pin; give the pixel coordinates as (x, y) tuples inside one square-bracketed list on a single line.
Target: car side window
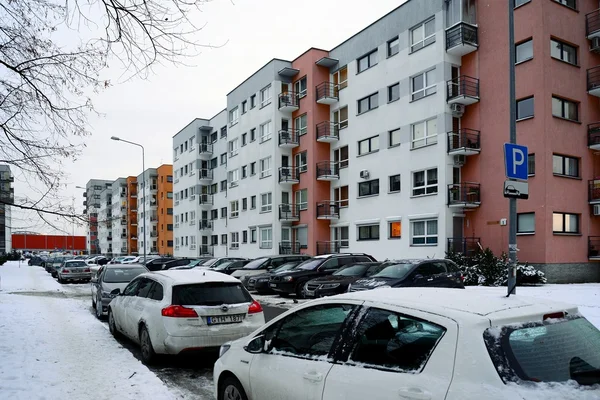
[(310, 332), (156, 292), (332, 263), (132, 288), (451, 267), (428, 269), (388, 340), (440, 266), (277, 262), (362, 259), (144, 288)]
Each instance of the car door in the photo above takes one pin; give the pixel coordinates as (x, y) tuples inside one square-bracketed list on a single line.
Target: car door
[(137, 306), (442, 278), (96, 281), (425, 274), (297, 362), (394, 353), (121, 305)]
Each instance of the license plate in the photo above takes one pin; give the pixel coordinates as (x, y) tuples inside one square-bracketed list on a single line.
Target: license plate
[(273, 284), (225, 319)]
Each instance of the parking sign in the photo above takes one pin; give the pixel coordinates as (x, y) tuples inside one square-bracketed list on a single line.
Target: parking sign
[(515, 161)]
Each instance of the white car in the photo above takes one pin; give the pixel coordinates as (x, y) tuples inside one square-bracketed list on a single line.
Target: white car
[(169, 312), (414, 343)]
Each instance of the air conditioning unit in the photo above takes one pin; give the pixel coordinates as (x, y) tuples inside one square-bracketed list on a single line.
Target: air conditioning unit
[(596, 209), (460, 160), (457, 110), (364, 174), (595, 44)]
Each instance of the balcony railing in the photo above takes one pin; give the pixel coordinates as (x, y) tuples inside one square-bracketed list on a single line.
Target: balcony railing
[(593, 81), (205, 224), (289, 248), (153, 234), (328, 170), (206, 250), (154, 218), (464, 141), (594, 191), (467, 246), (289, 101), (592, 24), (289, 175), (461, 39), (327, 93), (594, 247), (328, 210), (289, 138), (328, 248), (205, 174), (205, 148), (594, 136), (327, 131), (206, 199), (289, 212), (463, 90), (467, 195), (123, 236)]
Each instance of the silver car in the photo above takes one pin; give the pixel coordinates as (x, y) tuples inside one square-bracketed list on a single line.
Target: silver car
[(73, 270), (109, 278)]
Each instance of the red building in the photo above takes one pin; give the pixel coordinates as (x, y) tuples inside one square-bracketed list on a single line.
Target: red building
[(34, 242)]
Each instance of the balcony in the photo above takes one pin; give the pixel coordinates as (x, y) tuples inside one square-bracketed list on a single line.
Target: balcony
[(289, 175), (328, 248), (593, 81), (205, 149), (467, 246), (153, 234), (328, 210), (205, 200), (328, 132), (464, 142), (594, 247), (289, 248), (289, 212), (289, 139), (594, 191), (327, 93), (328, 171), (461, 39), (205, 175), (206, 250), (464, 195), (289, 102), (205, 225), (592, 24), (154, 218), (594, 136), (463, 90)]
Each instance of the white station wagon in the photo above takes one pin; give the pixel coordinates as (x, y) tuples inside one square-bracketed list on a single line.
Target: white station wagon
[(415, 343), (170, 312)]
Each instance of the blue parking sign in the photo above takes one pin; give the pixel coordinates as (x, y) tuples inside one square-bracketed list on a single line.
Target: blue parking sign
[(515, 161)]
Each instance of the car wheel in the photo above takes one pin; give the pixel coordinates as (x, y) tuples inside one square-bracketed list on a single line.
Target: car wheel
[(98, 308), (93, 303), (148, 353), (300, 291), (59, 279), (231, 389), (112, 326)]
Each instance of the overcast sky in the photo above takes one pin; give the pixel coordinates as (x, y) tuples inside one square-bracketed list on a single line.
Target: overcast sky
[(151, 111)]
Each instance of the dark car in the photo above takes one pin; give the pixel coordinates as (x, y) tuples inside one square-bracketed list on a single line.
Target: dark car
[(229, 267), (156, 264), (413, 273), (215, 262), (37, 261), (260, 283), (339, 281), (178, 262), (294, 280), (261, 265)]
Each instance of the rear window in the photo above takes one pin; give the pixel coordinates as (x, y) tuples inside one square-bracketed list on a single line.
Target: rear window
[(394, 271), (210, 294), (76, 264), (557, 350), (256, 264)]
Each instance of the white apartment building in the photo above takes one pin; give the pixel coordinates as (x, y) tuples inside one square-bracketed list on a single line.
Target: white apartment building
[(92, 207), (150, 215), (105, 222), (119, 217)]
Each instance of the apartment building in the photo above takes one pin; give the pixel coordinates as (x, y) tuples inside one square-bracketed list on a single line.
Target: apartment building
[(155, 210), (105, 220), (7, 197), (92, 204)]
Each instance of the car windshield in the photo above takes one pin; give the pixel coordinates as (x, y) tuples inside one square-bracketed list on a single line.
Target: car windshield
[(285, 267), (394, 271), (256, 264), (122, 275), (557, 350), (353, 270), (75, 264), (209, 262), (310, 265), (196, 262), (210, 294), (224, 265)]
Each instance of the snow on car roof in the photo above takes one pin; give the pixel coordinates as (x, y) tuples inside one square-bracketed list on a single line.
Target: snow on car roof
[(187, 276)]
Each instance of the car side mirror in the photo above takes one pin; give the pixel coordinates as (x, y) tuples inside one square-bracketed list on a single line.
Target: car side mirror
[(417, 277), (116, 292), (256, 345)]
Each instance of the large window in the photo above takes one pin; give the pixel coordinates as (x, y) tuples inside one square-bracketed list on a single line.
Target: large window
[(395, 229), (340, 118), (394, 183), (234, 147), (368, 103), (340, 78), (235, 240), (266, 202), (300, 124), (422, 35), (265, 167), (341, 196), (425, 182), (565, 223), (526, 223), (302, 199), (525, 108), (424, 133), (265, 96), (524, 51), (265, 131), (368, 188), (234, 209), (368, 232), (565, 109), (266, 238), (369, 145), (300, 160), (340, 156), (300, 87), (424, 232), (234, 116), (234, 177), (366, 62), (562, 51), (394, 137), (393, 92), (564, 165), (423, 85)]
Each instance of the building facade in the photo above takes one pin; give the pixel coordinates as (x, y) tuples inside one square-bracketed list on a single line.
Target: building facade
[(32, 241), (7, 197), (105, 221), (154, 223), (92, 204)]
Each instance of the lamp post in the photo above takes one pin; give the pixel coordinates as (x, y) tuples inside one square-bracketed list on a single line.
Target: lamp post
[(143, 185)]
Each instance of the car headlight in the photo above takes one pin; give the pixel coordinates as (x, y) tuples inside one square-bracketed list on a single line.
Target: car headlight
[(287, 278), (383, 287), (330, 285), (224, 348), (107, 295)]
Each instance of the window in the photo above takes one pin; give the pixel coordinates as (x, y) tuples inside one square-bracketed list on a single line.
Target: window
[(340, 156), (302, 199), (300, 87), (394, 138), (244, 138), (244, 172), (235, 240), (300, 160), (565, 223), (265, 167), (393, 92), (224, 186), (266, 238), (564, 165), (341, 196), (265, 132), (244, 236), (244, 107), (234, 177), (300, 124), (368, 232), (169, 211), (253, 202), (524, 51), (424, 232), (531, 164), (525, 108), (425, 182), (235, 209), (394, 183), (253, 168), (422, 35), (244, 204), (424, 133), (212, 164), (266, 202), (565, 109), (393, 47), (234, 116), (366, 62), (526, 223), (252, 134), (252, 101), (265, 96), (368, 103), (395, 229), (213, 137), (423, 85), (562, 51), (521, 2), (368, 145), (568, 3), (214, 214), (340, 118), (340, 78), (224, 238), (214, 240), (169, 178), (169, 195), (224, 212), (223, 158), (233, 148), (368, 188), (224, 132)]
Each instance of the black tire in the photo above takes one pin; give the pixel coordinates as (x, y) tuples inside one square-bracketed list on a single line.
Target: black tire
[(98, 309), (148, 354), (112, 326), (300, 290), (59, 279), (231, 389), (93, 303)]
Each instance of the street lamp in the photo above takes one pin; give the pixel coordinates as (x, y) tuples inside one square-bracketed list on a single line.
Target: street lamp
[(143, 184)]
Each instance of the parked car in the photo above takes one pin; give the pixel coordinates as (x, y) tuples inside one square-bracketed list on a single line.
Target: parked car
[(215, 262), (170, 312), (109, 278), (193, 263), (156, 263), (55, 264), (229, 267), (177, 262), (264, 264), (260, 283), (133, 260), (416, 273), (121, 259), (293, 281), (340, 280), (73, 270), (415, 343), (36, 261)]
